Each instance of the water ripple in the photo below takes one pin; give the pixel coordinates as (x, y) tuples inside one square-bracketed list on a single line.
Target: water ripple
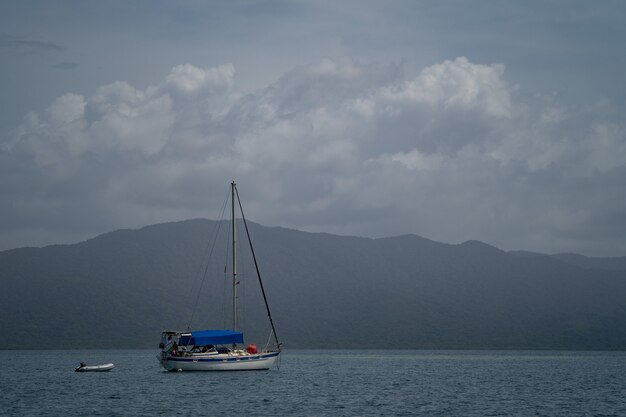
[(322, 383)]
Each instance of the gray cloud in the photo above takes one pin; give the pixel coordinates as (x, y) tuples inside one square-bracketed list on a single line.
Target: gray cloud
[(65, 66), (23, 43), (453, 153)]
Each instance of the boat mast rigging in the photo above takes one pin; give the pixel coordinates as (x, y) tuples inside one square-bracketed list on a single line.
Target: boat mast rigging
[(234, 232), (256, 265)]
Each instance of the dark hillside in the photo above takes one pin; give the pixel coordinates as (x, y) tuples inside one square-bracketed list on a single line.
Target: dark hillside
[(122, 288)]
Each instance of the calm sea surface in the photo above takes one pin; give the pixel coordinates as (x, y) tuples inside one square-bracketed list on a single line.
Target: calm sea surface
[(321, 383)]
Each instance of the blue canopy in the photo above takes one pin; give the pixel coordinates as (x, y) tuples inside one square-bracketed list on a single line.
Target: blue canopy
[(211, 337)]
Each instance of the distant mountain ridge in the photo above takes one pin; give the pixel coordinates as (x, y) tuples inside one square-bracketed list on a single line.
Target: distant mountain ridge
[(613, 264), (121, 289)]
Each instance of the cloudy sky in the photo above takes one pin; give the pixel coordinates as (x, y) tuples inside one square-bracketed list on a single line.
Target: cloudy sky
[(499, 121)]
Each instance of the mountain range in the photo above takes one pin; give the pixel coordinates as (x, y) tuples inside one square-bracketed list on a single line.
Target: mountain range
[(121, 289)]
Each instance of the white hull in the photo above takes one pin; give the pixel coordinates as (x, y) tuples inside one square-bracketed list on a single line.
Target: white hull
[(95, 368), (220, 362)]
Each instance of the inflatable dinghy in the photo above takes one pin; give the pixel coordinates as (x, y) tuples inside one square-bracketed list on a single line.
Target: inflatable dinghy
[(94, 368)]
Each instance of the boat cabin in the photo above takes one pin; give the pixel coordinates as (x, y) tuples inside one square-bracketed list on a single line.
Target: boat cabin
[(203, 343)]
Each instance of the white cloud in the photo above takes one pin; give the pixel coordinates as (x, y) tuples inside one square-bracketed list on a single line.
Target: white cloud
[(452, 154), (458, 85), (130, 120), (188, 81), (66, 109)]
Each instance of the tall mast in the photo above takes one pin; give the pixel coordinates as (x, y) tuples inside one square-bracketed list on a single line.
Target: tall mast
[(232, 186)]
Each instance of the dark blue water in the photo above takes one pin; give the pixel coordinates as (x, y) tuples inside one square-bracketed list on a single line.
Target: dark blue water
[(321, 383)]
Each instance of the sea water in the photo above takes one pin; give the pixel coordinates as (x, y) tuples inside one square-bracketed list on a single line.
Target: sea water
[(320, 383)]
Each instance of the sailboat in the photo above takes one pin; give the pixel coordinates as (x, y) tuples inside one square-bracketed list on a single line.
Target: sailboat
[(218, 349)]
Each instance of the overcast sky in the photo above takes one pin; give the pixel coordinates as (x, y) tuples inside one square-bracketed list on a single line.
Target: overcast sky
[(490, 120)]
